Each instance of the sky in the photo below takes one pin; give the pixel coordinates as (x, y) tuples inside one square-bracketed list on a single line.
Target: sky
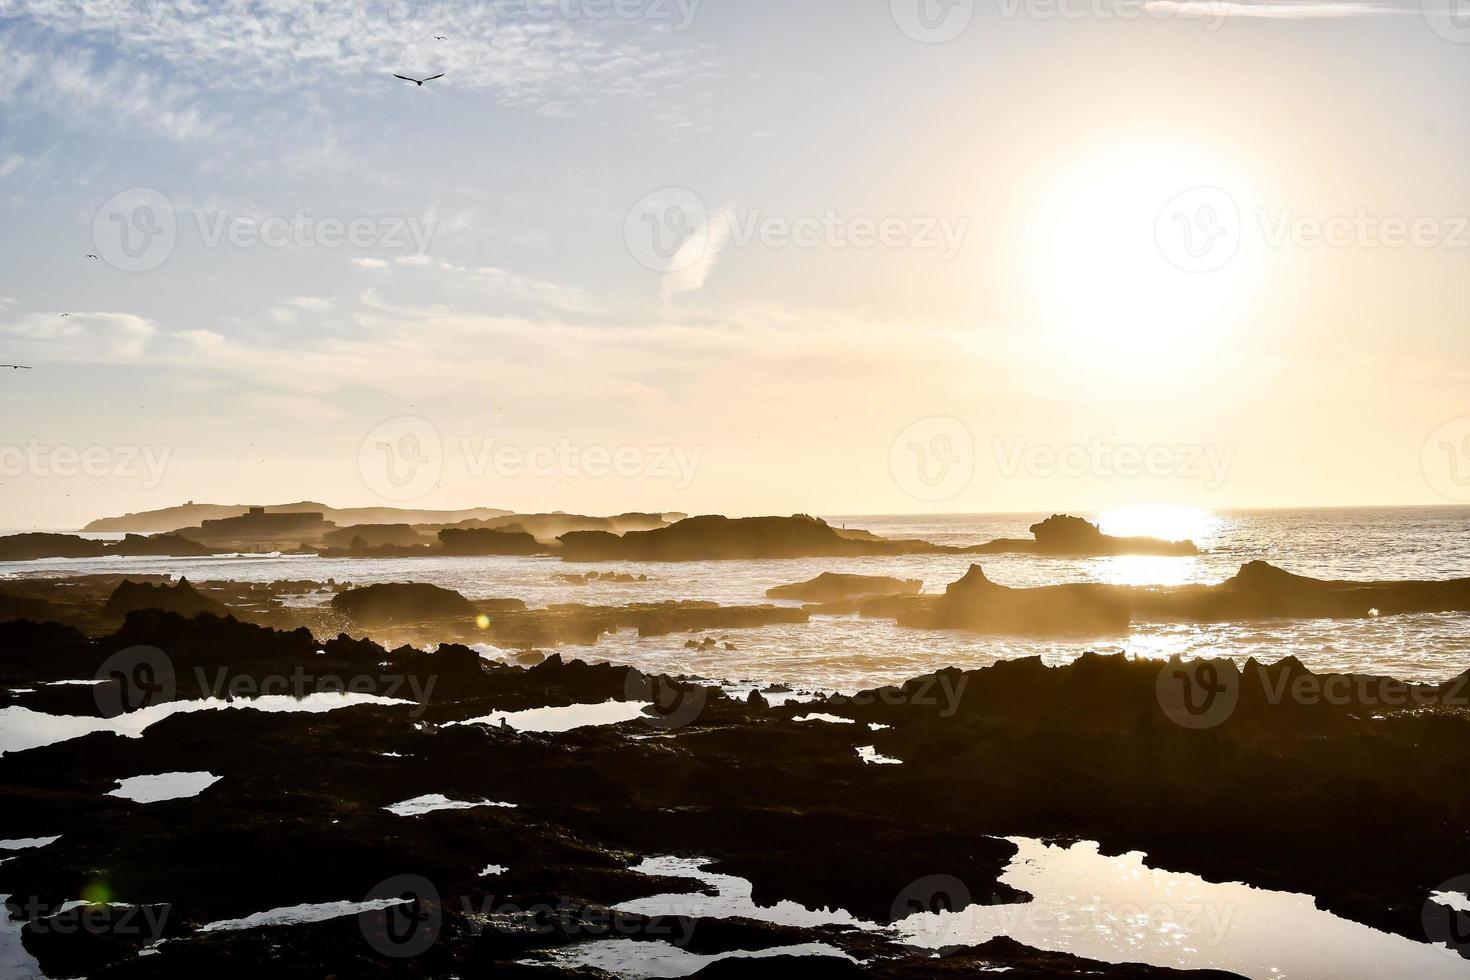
[(734, 256)]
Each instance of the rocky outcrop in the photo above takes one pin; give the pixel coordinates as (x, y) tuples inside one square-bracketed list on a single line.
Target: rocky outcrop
[(1062, 536), (1263, 591), (161, 546), (977, 604), (31, 547), (362, 536), (718, 538), (484, 542), (832, 586), (396, 604), (182, 598), (1090, 751)]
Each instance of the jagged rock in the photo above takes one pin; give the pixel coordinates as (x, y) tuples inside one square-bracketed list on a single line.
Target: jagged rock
[(182, 598)]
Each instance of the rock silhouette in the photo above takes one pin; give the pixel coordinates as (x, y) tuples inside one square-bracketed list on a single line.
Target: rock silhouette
[(1086, 751), (394, 604), (831, 587)]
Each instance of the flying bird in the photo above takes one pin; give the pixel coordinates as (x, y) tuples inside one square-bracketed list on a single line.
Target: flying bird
[(63, 316), (440, 37), (90, 256), (418, 81), (16, 367)]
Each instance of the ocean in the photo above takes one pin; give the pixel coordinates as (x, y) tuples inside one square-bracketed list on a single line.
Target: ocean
[(847, 654)]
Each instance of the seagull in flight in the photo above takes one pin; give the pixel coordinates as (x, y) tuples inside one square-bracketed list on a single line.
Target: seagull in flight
[(16, 367), (418, 81), (440, 37), (93, 257), (63, 316)]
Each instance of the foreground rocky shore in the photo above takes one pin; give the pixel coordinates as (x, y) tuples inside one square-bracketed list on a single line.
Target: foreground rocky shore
[(518, 846)]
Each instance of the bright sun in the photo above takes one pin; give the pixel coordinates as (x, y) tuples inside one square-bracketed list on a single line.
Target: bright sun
[(1110, 257)]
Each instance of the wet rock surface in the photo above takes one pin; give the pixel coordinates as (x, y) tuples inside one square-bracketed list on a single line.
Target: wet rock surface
[(1102, 750), (832, 586)]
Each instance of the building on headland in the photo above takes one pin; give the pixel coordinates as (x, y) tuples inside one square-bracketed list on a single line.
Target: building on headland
[(259, 530)]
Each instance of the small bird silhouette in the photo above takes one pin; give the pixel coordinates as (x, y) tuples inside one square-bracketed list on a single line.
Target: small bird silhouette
[(63, 316), (93, 257), (16, 367), (418, 81), (440, 37)]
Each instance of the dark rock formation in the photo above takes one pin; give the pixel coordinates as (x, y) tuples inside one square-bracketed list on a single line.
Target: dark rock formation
[(831, 586), (160, 545), (979, 605), (1090, 751), (1263, 591), (31, 547), (394, 604), (1061, 536), (482, 541), (721, 538), (724, 539), (361, 536), (182, 598)]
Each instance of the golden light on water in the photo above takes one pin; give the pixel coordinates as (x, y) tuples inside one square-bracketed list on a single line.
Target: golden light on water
[(1169, 523)]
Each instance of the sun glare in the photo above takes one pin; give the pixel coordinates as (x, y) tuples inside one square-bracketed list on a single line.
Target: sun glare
[(1169, 523), (1113, 268)]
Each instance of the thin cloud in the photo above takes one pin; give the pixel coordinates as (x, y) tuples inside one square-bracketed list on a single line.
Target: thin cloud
[(695, 260)]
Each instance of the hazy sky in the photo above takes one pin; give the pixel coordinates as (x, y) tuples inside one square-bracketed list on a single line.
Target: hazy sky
[(835, 256)]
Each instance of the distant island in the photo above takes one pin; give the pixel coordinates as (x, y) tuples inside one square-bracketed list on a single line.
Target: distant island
[(384, 532)]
